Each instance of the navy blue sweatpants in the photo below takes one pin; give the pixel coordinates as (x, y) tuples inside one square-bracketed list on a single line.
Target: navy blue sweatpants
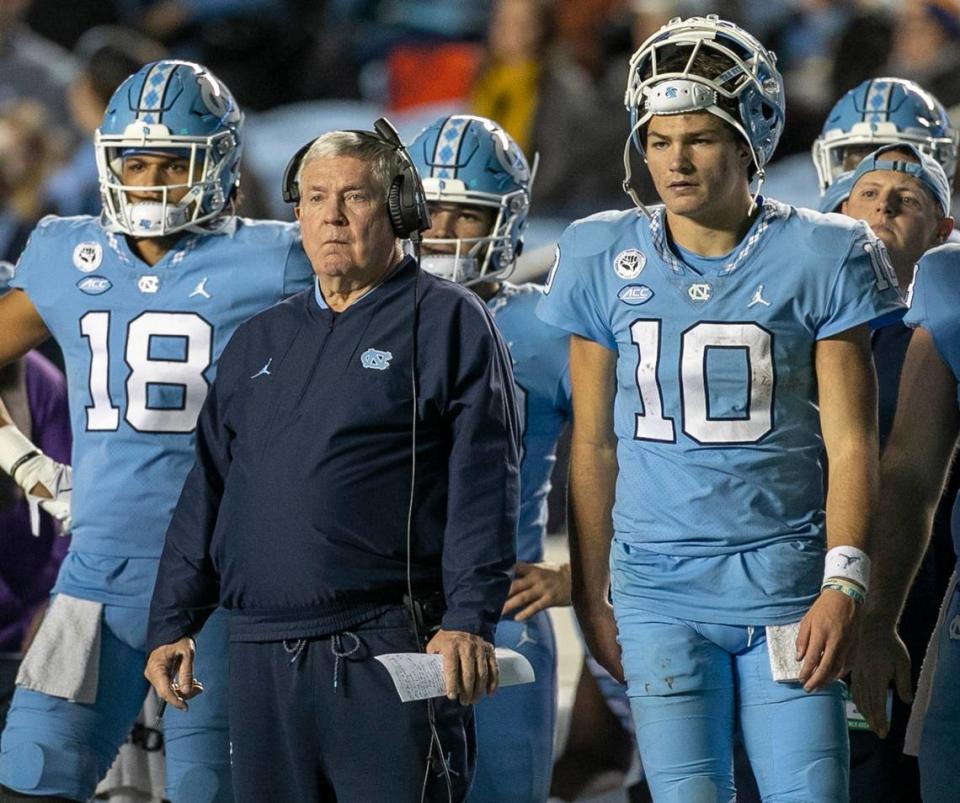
[(320, 720)]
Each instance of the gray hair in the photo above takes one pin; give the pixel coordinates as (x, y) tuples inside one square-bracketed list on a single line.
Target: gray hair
[(365, 147)]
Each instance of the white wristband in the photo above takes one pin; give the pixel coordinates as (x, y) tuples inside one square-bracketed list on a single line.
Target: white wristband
[(14, 446), (850, 563)]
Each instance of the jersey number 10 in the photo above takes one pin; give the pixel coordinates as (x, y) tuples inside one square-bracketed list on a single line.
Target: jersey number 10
[(181, 376), (696, 342)]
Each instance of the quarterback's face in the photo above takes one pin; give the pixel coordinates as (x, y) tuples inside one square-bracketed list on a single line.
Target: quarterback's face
[(343, 218), (899, 209), (698, 165), (455, 222), (157, 170)]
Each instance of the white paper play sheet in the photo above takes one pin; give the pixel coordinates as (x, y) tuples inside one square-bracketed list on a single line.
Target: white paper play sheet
[(418, 676)]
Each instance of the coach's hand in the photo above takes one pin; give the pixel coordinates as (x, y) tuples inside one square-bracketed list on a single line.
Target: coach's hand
[(600, 632), (881, 658), (170, 672), (469, 665), (826, 639), (536, 587)]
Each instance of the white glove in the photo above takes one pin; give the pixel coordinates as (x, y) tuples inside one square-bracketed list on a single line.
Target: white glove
[(28, 467)]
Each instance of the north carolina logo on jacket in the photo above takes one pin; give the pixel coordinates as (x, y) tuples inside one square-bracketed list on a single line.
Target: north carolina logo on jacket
[(376, 359), (94, 285)]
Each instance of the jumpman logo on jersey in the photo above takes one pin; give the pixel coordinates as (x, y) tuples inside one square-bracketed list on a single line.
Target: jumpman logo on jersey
[(758, 298), (265, 371), (525, 637), (200, 289)]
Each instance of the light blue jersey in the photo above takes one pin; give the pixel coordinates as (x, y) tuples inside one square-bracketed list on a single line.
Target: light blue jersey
[(935, 306), (515, 727), (141, 345), (720, 498), (539, 354)]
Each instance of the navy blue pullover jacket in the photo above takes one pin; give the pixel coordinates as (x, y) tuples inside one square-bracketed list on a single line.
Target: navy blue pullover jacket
[(294, 514)]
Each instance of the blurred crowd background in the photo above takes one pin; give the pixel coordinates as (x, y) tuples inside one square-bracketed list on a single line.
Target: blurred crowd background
[(551, 71)]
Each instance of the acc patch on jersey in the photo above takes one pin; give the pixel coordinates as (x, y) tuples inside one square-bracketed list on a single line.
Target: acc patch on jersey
[(635, 294), (87, 256), (94, 285), (629, 264)]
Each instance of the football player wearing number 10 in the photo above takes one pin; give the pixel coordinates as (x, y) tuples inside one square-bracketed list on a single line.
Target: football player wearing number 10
[(719, 344), (142, 302)]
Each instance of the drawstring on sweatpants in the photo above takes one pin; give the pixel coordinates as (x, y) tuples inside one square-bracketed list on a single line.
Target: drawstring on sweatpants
[(294, 649), (336, 647)]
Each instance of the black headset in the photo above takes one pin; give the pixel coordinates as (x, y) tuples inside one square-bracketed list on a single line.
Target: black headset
[(406, 202)]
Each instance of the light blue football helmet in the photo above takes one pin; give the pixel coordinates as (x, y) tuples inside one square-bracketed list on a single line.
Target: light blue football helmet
[(753, 81), (170, 107), (468, 160), (880, 111)]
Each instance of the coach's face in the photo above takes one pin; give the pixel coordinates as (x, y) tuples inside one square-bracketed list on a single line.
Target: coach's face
[(343, 219), (901, 212)]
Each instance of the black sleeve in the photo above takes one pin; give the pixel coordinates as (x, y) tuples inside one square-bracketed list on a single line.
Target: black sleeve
[(479, 546), (187, 589)]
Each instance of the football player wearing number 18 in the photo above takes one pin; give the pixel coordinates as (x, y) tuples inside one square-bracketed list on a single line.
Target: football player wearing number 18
[(719, 344), (142, 302)]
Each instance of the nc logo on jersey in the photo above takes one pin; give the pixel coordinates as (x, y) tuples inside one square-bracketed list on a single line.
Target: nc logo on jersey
[(87, 256), (148, 284), (94, 285), (376, 359), (700, 292), (635, 294), (629, 264)]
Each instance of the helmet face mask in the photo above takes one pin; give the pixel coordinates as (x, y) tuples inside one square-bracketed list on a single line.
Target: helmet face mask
[(176, 109), (470, 161), (881, 111), (752, 84)]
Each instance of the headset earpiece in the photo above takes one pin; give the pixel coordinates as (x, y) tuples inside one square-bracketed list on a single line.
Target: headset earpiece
[(406, 202)]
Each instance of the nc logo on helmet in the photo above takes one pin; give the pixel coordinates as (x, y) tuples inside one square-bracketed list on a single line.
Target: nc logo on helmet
[(509, 156), (376, 359), (670, 92)]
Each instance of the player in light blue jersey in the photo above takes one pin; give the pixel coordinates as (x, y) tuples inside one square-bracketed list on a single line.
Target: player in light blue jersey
[(719, 346), (141, 301), (477, 181), (913, 472), (904, 195), (880, 111)]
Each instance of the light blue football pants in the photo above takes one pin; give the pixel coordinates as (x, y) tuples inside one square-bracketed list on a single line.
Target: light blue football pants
[(515, 726), (54, 747), (940, 738), (690, 684)]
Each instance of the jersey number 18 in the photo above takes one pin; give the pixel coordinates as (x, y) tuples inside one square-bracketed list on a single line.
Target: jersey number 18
[(181, 376)]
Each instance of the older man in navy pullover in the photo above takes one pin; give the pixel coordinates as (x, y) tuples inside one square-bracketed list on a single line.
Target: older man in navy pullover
[(294, 517)]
